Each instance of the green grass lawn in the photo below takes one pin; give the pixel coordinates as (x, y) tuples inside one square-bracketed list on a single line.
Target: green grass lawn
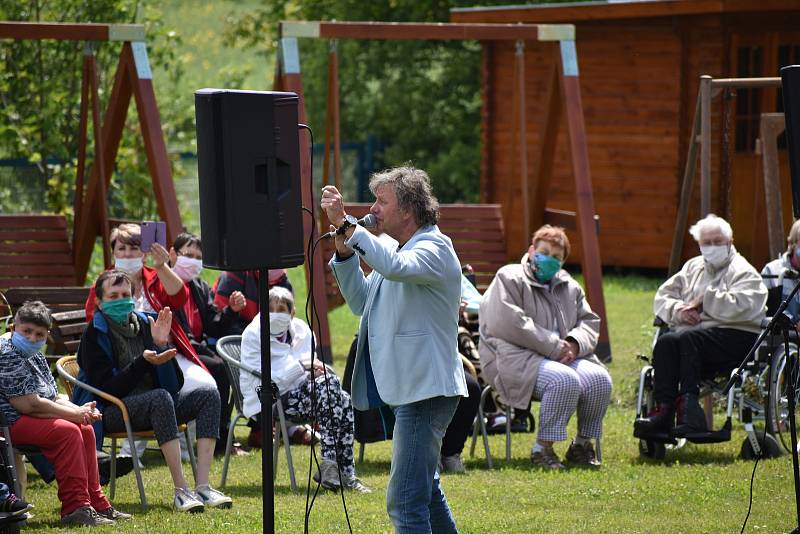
[(696, 489)]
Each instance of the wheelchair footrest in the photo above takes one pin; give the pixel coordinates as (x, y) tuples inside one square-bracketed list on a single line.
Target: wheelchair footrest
[(656, 437), (712, 436)]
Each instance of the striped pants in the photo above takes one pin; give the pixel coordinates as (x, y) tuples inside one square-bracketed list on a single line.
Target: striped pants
[(562, 389)]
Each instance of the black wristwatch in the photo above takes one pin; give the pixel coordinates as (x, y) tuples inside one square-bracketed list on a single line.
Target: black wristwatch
[(349, 221)]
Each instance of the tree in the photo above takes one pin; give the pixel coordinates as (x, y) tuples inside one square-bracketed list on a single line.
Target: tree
[(40, 84)]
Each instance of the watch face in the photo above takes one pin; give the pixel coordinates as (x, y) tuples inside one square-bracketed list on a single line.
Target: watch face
[(351, 219)]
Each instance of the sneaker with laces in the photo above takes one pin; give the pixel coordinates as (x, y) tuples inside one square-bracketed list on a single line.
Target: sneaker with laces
[(114, 514), (86, 516), (187, 501), (582, 454), (14, 506), (213, 498), (546, 458), (353, 483), (453, 464)]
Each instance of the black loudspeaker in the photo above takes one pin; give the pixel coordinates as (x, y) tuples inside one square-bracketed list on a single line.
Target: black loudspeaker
[(790, 77), (248, 162)]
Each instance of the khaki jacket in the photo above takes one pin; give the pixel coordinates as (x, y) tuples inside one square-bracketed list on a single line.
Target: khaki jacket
[(734, 295), (522, 322)]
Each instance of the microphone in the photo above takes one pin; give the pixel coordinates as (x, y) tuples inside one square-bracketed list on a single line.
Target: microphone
[(367, 221)]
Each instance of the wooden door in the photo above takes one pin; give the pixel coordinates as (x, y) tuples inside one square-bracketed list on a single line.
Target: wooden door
[(755, 55)]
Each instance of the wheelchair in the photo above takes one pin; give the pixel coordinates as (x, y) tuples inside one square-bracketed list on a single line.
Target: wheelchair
[(748, 400)]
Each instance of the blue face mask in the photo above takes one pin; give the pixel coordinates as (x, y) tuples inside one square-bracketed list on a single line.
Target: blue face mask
[(545, 267), (26, 347), (118, 310)]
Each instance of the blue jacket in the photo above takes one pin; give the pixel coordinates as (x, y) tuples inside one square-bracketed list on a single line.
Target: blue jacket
[(96, 354), (409, 316)]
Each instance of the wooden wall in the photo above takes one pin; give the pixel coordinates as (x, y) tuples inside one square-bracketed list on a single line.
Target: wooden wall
[(639, 83)]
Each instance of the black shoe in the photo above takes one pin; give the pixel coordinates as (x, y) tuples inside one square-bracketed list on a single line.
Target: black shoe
[(691, 417), (658, 421), (124, 466), (14, 506)]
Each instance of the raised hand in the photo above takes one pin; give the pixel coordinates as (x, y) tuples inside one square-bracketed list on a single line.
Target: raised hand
[(160, 327), (159, 358), (159, 254), (333, 204)]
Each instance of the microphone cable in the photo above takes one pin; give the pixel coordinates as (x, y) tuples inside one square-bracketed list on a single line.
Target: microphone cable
[(313, 317)]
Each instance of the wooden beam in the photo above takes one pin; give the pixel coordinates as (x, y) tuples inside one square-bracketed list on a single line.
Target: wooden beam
[(113, 123), (291, 80), (770, 127), (522, 139), (705, 145), (435, 31), (487, 101), (70, 31), (686, 194), (153, 137), (548, 137), (99, 161), (80, 174), (576, 132)]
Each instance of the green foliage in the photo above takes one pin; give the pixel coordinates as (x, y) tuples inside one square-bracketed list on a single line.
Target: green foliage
[(40, 92), (420, 98)]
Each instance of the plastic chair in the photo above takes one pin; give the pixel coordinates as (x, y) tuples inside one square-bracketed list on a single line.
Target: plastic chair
[(229, 349), (68, 370)]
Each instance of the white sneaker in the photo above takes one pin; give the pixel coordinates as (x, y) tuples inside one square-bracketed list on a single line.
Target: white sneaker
[(187, 501), (213, 498)]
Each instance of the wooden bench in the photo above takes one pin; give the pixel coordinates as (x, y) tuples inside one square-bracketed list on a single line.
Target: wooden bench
[(69, 317), (35, 251), (476, 230)]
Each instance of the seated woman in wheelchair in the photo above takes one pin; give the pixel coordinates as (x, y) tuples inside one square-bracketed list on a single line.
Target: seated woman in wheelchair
[(776, 271), (290, 343), (713, 309), (128, 355), (538, 336)]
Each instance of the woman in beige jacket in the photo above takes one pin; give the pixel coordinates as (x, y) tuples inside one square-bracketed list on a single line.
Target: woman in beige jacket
[(538, 336), (713, 308)]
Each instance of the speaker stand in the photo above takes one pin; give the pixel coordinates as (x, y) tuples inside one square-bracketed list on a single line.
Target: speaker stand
[(267, 483)]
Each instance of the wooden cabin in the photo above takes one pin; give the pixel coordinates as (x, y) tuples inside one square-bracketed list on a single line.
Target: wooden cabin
[(639, 65)]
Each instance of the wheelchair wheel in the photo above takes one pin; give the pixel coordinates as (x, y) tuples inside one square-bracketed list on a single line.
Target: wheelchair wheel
[(770, 448), (779, 411), (652, 449)]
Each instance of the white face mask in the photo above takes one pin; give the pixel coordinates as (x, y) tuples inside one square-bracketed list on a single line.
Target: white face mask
[(129, 265), (187, 268), (279, 323), (715, 255)]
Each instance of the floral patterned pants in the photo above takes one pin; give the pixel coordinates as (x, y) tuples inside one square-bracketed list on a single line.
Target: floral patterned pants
[(334, 413)]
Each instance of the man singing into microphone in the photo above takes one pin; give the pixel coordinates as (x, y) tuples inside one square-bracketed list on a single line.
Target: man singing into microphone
[(407, 356)]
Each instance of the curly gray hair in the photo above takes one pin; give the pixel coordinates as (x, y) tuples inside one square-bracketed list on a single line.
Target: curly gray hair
[(413, 189)]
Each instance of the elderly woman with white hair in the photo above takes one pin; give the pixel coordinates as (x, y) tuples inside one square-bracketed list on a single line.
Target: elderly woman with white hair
[(713, 309), (788, 261)]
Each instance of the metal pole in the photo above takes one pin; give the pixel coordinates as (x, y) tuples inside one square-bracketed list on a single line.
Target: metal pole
[(268, 487)]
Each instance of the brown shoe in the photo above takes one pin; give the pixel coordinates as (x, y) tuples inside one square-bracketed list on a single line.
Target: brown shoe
[(86, 516), (547, 458), (114, 514), (582, 455)]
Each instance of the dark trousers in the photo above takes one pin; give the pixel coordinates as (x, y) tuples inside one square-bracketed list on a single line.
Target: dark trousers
[(682, 359), (460, 426), (216, 366)]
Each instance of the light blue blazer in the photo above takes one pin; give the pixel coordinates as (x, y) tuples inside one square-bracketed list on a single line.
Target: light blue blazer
[(409, 316)]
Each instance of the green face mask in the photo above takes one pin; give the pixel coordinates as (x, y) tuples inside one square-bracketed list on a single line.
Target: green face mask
[(118, 310), (545, 267)]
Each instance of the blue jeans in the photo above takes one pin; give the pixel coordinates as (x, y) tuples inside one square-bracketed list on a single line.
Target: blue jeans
[(414, 497)]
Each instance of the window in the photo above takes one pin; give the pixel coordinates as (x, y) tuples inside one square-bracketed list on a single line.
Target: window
[(749, 64)]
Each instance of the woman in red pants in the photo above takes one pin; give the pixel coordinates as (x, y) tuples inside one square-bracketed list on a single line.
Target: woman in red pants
[(38, 416)]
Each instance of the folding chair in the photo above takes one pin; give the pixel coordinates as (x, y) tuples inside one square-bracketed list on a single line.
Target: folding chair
[(229, 349), (68, 370)]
